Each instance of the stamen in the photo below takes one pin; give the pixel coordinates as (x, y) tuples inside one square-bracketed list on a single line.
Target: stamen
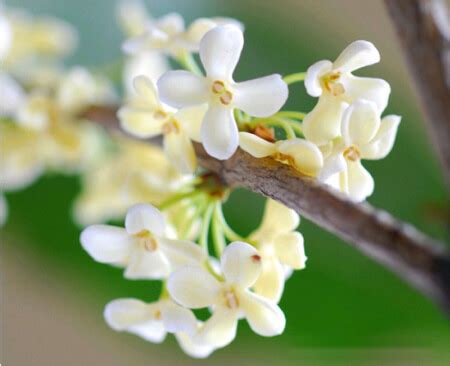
[(147, 241), (231, 300), (329, 82), (218, 87), (352, 153), (256, 258), (170, 126), (226, 98), (160, 114)]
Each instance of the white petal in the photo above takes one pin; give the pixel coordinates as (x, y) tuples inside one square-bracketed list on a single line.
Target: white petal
[(177, 318), (313, 75), (220, 135), (220, 329), (140, 122), (360, 182), (142, 217), (382, 143), (357, 55), (220, 50), (307, 156), (360, 123), (13, 96), (241, 264), (264, 316), (107, 244), (191, 120), (182, 89), (182, 252), (375, 90), (270, 283), (290, 249), (147, 265), (193, 287), (323, 123), (136, 317), (261, 97), (256, 146), (180, 151), (198, 28), (192, 347), (146, 89), (172, 23), (333, 164)]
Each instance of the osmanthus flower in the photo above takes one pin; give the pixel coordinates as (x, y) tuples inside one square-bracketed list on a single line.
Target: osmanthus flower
[(142, 247), (145, 116), (301, 154), (231, 299), (336, 87), (12, 95), (135, 172), (220, 50), (281, 249), (364, 136), (6, 34), (154, 320)]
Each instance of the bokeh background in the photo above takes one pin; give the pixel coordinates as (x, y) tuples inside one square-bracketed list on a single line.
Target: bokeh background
[(343, 309)]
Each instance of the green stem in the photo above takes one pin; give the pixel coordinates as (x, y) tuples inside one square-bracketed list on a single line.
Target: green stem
[(176, 198), (278, 122), (217, 230), (291, 114), (206, 222), (294, 78), (189, 63), (230, 234)]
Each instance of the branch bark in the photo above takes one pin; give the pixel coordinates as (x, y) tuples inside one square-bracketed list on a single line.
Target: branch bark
[(418, 259), (423, 27)]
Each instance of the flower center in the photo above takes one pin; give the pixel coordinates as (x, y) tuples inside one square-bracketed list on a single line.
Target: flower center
[(284, 158), (231, 300), (159, 114), (219, 88), (157, 314), (171, 126), (147, 241), (331, 83), (352, 153)]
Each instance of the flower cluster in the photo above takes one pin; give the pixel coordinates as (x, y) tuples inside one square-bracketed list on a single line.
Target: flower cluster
[(175, 230)]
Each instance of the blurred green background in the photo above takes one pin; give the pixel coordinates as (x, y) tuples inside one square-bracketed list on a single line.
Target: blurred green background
[(342, 309)]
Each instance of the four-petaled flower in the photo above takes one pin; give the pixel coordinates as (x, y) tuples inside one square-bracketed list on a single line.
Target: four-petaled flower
[(364, 136), (337, 87), (146, 116), (220, 50), (230, 299), (142, 247)]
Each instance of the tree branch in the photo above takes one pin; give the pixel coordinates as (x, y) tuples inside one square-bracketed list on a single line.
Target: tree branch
[(418, 259), (423, 27)]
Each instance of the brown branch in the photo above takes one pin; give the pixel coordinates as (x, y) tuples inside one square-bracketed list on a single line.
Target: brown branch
[(419, 260), (423, 27)]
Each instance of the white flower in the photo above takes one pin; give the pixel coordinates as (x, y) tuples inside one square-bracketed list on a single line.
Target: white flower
[(169, 34), (132, 16), (6, 35), (301, 154), (142, 246), (150, 321), (281, 249), (220, 50), (364, 136), (146, 116), (337, 87), (12, 95), (191, 346), (194, 287)]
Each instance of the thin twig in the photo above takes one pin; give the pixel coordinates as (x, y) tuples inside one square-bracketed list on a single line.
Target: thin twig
[(421, 261)]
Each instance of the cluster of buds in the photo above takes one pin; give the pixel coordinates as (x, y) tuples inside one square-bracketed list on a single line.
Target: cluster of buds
[(175, 230)]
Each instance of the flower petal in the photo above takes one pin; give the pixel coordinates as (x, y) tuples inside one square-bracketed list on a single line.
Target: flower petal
[(313, 75), (360, 182), (147, 265), (140, 122), (142, 217), (256, 146), (182, 252), (382, 143), (180, 151), (177, 318), (220, 329), (307, 156), (290, 249), (192, 347), (182, 89), (136, 317), (322, 124), (241, 264), (220, 135), (270, 283), (360, 123), (261, 97), (107, 244), (220, 50), (193, 287), (172, 23), (146, 89), (375, 90), (264, 317), (356, 55), (191, 120)]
